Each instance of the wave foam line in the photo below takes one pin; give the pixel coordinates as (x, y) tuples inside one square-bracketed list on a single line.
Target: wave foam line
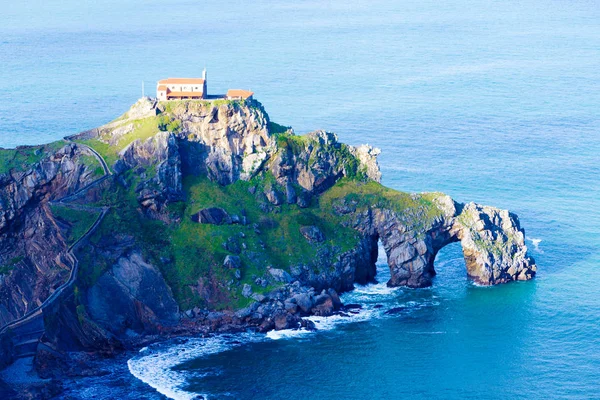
[(156, 368)]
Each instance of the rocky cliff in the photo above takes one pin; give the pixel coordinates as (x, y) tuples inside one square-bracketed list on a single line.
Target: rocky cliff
[(219, 219)]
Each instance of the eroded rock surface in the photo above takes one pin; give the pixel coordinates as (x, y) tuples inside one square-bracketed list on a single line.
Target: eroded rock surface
[(30, 238), (492, 240)]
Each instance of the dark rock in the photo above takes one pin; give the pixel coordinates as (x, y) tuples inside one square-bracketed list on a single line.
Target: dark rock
[(312, 233), (323, 305), (304, 301), (274, 196), (232, 262), (212, 215), (303, 200), (337, 303), (283, 320), (352, 306), (395, 310), (290, 307), (261, 282), (308, 325), (233, 245)]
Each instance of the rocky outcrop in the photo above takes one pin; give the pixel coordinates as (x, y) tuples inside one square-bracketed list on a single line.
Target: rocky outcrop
[(316, 161), (212, 215), (30, 238), (158, 159), (493, 244), (132, 297), (226, 142), (492, 241)]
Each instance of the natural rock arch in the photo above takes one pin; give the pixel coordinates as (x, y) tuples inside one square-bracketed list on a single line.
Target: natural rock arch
[(492, 241)]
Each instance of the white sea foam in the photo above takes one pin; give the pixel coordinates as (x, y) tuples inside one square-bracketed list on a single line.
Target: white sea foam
[(287, 333), (156, 368), (154, 365), (536, 244), (329, 323)]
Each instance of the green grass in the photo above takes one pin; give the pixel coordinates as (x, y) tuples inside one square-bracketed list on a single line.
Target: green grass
[(196, 251), (104, 149), (275, 128), (79, 221), (143, 129), (23, 158), (92, 163), (199, 249), (416, 211)]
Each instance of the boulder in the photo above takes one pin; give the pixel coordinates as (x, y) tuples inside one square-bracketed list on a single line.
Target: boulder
[(212, 215), (232, 262), (290, 306), (246, 290), (283, 320), (312, 233), (280, 275), (303, 199), (335, 298), (304, 301), (274, 196), (323, 305)]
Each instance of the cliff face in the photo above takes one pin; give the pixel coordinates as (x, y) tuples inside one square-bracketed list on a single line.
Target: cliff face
[(219, 219), (31, 238)]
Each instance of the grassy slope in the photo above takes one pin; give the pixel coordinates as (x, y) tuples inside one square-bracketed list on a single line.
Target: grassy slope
[(197, 250), (22, 158), (79, 221), (142, 129), (416, 211)]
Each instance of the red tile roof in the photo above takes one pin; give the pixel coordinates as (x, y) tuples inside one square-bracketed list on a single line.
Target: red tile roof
[(244, 94), (162, 87), (182, 81)]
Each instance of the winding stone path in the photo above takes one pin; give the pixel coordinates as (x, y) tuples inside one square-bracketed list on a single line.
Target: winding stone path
[(25, 332)]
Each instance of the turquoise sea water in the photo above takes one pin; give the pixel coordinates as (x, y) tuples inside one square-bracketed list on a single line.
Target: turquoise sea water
[(490, 101)]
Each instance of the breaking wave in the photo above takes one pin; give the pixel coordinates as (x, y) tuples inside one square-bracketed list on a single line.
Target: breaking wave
[(154, 365)]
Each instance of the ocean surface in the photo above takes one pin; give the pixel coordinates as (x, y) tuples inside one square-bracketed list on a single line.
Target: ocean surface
[(489, 101)]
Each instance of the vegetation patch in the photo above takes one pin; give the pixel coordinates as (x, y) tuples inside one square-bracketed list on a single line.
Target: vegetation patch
[(79, 221), (23, 157), (415, 211), (10, 265), (92, 163)]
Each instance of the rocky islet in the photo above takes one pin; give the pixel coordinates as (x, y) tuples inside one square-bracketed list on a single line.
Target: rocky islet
[(322, 193)]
